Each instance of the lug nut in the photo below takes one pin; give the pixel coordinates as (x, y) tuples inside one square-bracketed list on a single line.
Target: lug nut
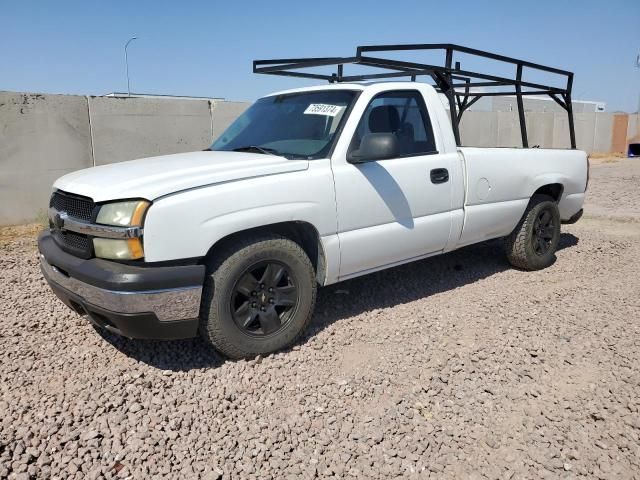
[(271, 301), (263, 309), (270, 289), (262, 286), (254, 305), (254, 293)]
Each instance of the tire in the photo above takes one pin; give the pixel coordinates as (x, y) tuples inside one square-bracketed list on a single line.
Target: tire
[(530, 247), (254, 281)]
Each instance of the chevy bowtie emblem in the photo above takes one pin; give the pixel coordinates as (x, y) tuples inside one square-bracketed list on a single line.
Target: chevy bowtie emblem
[(58, 220)]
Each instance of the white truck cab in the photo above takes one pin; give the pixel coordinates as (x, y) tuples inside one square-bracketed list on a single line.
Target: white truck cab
[(306, 188)]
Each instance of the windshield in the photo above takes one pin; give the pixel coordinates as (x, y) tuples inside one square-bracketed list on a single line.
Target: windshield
[(297, 125)]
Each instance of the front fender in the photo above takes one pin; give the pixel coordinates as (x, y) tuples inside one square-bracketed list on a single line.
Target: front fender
[(187, 224)]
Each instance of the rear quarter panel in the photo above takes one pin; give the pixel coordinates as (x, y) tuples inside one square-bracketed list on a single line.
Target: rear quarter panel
[(500, 182)]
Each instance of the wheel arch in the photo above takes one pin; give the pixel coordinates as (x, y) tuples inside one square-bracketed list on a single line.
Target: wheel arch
[(303, 233), (553, 190)]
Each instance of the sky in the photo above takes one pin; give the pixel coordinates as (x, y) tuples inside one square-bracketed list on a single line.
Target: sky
[(205, 48)]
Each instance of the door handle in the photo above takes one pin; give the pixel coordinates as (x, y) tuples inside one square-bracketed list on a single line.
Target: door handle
[(439, 175)]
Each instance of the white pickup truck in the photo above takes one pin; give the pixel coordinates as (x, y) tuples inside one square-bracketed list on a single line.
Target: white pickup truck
[(308, 187)]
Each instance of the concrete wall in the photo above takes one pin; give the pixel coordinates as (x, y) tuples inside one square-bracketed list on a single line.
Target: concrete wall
[(224, 113), (129, 128), (633, 129), (546, 129), (42, 137), (540, 104), (603, 133)]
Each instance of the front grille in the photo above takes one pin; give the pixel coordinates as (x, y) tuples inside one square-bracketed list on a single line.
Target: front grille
[(74, 205), (81, 208), (74, 243)]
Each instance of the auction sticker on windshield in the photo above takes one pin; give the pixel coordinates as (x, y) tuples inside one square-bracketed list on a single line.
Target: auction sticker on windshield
[(323, 109)]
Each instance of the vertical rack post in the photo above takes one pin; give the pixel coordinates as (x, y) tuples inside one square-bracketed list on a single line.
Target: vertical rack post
[(567, 101), (523, 122), (450, 93)]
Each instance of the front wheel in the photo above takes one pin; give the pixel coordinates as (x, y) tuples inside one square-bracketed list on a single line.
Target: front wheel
[(258, 298), (533, 243)]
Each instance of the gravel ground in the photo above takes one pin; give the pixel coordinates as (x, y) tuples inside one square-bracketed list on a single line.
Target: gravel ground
[(453, 367)]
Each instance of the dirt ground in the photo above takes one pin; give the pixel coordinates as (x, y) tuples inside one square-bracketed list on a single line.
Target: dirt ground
[(453, 367)]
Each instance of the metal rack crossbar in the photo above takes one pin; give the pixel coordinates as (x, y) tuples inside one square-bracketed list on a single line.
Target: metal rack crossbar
[(460, 86)]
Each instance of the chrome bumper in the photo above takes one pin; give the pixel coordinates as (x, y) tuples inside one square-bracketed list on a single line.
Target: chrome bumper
[(167, 304)]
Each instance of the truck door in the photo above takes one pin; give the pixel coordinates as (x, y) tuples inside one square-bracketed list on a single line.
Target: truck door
[(398, 209)]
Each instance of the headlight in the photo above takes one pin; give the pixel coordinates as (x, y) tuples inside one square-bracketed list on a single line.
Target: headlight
[(121, 214), (116, 249)]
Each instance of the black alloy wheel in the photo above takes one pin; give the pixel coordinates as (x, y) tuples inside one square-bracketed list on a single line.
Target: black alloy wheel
[(264, 299), (543, 232), (258, 296), (533, 243)]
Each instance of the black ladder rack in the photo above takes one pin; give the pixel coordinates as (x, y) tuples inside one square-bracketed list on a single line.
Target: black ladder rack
[(449, 78)]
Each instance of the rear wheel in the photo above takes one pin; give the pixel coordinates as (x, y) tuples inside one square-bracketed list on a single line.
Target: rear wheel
[(533, 243), (258, 298)]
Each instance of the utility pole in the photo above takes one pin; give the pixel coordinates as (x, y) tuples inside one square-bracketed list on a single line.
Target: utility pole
[(126, 63), (638, 67)]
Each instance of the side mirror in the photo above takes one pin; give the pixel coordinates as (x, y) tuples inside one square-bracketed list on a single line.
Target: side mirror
[(375, 146)]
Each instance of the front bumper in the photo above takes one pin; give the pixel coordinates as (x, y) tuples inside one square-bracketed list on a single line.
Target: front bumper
[(133, 301)]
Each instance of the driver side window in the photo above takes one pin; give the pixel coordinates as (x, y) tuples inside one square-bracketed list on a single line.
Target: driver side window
[(402, 113)]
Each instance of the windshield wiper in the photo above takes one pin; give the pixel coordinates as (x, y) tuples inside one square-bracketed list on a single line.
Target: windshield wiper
[(257, 149)]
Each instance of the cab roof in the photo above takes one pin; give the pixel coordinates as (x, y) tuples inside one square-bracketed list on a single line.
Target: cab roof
[(346, 86)]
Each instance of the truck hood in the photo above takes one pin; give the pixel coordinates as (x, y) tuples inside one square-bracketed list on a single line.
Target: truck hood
[(154, 177)]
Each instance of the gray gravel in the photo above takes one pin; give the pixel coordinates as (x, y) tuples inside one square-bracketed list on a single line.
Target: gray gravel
[(452, 367)]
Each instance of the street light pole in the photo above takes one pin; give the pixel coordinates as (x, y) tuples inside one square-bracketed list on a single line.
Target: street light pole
[(126, 63), (638, 67)]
